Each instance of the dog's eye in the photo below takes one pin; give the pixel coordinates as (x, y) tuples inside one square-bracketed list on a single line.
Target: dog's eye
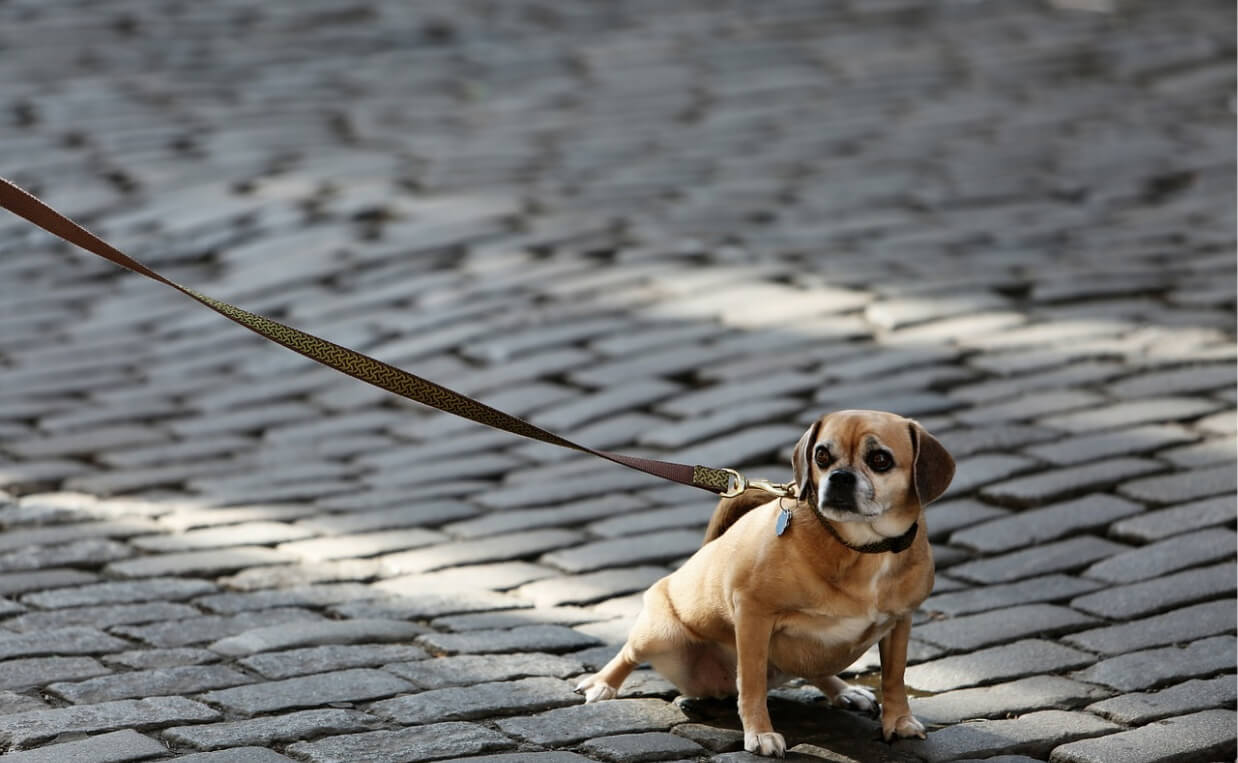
[(823, 457), (880, 461)]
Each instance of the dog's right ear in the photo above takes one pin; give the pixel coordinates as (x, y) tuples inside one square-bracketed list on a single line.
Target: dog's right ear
[(801, 462)]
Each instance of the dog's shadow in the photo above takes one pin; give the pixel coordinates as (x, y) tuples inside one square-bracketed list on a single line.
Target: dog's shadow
[(800, 713)]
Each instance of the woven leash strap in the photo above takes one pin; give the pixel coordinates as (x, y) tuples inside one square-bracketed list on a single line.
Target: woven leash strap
[(357, 365)]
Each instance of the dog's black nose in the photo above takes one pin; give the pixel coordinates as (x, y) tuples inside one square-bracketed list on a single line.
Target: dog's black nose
[(842, 480)]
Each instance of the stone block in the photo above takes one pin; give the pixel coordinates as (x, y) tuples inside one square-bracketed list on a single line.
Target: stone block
[(528, 638), (1034, 734), (1207, 735), (994, 664), (38, 726), (640, 748), (566, 725), (1139, 708), (114, 747), (1057, 484), (1172, 520), (352, 685), (323, 659), (1049, 523), (1183, 486), (1005, 699), (1176, 626), (1060, 556), (323, 632), (525, 695), (468, 669), (410, 745), (199, 630), (1158, 594), (1029, 591), (189, 679), (1150, 668), (121, 592), (271, 730), (39, 671), (63, 641), (969, 632)]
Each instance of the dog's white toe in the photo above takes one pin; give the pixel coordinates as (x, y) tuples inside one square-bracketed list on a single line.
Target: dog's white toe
[(770, 744), (857, 698), (594, 690), (903, 727)]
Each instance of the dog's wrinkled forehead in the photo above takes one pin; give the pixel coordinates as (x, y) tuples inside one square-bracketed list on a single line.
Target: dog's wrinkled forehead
[(852, 433)]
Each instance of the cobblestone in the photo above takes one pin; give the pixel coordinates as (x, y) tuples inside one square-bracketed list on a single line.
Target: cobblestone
[(1183, 698), (272, 729), (1048, 523), (1005, 699), (116, 747), (994, 664), (528, 638), (1154, 525), (996, 626), (277, 637), (1163, 557), (433, 742), (681, 232), (1161, 593), (1149, 668), (572, 724), (525, 695), (150, 683), (321, 659), (468, 669), (1034, 733), (340, 686), (24, 729), (1205, 735), (1175, 626), (35, 671), (1066, 482), (1060, 556)]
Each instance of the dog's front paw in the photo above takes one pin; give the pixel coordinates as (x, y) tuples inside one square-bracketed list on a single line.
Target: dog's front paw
[(595, 690), (902, 726), (770, 744), (857, 698)]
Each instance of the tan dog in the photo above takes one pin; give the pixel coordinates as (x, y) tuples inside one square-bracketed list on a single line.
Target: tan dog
[(802, 588)]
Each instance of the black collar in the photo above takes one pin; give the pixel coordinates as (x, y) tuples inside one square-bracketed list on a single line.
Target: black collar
[(897, 544)]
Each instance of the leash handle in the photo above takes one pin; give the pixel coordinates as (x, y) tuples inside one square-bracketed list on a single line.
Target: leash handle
[(360, 366)]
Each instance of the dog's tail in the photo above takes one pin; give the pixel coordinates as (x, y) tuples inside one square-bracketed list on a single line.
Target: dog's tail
[(729, 511)]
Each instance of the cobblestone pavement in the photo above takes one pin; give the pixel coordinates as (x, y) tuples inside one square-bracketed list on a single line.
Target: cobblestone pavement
[(678, 229)]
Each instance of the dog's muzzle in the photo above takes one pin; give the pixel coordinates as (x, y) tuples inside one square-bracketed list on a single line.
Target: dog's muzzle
[(840, 490)]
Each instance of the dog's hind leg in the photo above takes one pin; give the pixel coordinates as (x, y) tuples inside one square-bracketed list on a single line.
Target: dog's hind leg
[(651, 636), (842, 694)]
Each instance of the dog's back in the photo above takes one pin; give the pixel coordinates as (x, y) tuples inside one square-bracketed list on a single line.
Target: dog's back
[(729, 511)]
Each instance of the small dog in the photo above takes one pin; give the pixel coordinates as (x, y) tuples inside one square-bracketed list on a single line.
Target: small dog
[(802, 587)]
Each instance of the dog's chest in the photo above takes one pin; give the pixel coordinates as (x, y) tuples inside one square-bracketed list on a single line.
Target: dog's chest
[(832, 630)]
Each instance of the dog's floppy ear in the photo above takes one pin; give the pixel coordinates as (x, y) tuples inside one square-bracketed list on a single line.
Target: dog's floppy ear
[(801, 461), (934, 466)]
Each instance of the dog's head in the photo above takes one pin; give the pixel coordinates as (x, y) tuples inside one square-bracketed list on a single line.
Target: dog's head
[(855, 466)]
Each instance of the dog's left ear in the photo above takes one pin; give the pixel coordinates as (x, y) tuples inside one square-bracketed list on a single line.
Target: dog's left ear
[(801, 461), (933, 465)]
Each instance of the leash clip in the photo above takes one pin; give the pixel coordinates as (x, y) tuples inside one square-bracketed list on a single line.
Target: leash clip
[(742, 483)]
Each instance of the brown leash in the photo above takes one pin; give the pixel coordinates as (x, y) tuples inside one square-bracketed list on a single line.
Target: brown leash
[(359, 366)]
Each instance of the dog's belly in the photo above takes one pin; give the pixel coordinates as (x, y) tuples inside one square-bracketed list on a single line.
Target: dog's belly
[(699, 669), (814, 647)]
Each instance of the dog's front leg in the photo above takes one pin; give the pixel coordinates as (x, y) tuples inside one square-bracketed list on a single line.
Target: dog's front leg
[(896, 717), (753, 628)]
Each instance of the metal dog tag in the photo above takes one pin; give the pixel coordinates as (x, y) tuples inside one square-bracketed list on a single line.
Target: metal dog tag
[(784, 519)]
